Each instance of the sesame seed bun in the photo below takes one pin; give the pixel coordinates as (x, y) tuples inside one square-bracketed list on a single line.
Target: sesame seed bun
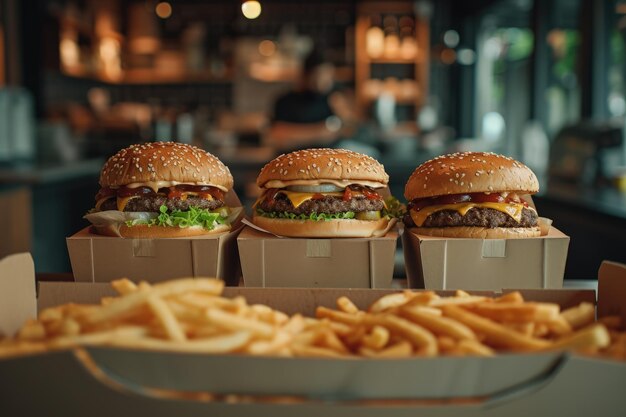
[(322, 228), (324, 164), (479, 232), (470, 172), (153, 232), (165, 162)]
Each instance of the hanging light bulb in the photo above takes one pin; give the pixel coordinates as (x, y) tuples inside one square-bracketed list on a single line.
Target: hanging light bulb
[(251, 9)]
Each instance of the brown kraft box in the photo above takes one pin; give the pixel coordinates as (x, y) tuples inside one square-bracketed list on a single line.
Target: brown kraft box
[(96, 258), (106, 381), (485, 264)]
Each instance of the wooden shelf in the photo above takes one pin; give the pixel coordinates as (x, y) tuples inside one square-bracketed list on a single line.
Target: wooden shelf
[(393, 61), (150, 77), (363, 69)]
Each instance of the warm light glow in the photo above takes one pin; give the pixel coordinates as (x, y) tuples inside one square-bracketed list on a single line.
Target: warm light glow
[(69, 51), (163, 10), (251, 9), (267, 48)]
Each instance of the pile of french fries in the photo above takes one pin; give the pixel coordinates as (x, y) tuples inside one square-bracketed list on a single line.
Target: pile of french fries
[(190, 315)]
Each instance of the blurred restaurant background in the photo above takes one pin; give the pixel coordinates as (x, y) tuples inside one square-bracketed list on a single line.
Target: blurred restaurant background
[(404, 81)]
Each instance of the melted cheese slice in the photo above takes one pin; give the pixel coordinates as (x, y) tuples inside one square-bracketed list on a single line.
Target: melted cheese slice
[(122, 201), (512, 209), (298, 198)]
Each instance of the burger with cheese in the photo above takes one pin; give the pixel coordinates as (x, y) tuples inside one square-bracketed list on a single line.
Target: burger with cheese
[(162, 189), (322, 193), (472, 195)]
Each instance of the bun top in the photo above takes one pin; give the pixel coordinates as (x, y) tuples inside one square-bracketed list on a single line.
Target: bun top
[(324, 164), (470, 172), (167, 162)]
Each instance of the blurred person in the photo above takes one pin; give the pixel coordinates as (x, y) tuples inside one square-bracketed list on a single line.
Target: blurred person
[(312, 114)]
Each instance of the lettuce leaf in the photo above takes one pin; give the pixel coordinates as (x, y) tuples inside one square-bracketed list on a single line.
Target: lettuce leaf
[(313, 216), (188, 218), (394, 209)]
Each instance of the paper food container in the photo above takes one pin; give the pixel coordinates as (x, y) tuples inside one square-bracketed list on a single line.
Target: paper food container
[(271, 261), (96, 258), (105, 381), (485, 264)]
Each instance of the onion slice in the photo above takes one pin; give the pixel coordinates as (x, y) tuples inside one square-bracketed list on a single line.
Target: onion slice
[(322, 188)]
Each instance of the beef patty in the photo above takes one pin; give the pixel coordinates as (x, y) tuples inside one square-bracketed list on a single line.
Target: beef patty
[(154, 202), (328, 205), (476, 217)]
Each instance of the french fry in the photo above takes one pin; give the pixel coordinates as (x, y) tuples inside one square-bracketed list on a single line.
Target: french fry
[(389, 301), (559, 326), (540, 330), (441, 326), (346, 305), (339, 316), (124, 286), (189, 315), (580, 316), (167, 319), (495, 333), (376, 339), (527, 329), (444, 301), (219, 344), (401, 349), (233, 321), (446, 343), (32, 330), (474, 347), (121, 306), (331, 341), (414, 333), (517, 312), (594, 336), (267, 347), (514, 297)]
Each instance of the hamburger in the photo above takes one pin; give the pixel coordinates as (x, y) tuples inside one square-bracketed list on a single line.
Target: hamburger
[(162, 189), (322, 193), (472, 195)]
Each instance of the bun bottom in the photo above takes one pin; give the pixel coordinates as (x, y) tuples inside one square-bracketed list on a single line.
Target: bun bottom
[(151, 232), (479, 232), (322, 228)]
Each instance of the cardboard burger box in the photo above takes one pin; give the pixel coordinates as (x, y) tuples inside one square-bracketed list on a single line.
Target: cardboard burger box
[(97, 258), (271, 261), (105, 381), (484, 264), (268, 260)]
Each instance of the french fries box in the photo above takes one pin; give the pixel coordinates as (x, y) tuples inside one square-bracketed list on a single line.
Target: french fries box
[(108, 381), (96, 258), (485, 264), (271, 261)]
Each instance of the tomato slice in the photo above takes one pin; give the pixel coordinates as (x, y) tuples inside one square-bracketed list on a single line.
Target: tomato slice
[(271, 194), (318, 196), (347, 194), (487, 198)]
